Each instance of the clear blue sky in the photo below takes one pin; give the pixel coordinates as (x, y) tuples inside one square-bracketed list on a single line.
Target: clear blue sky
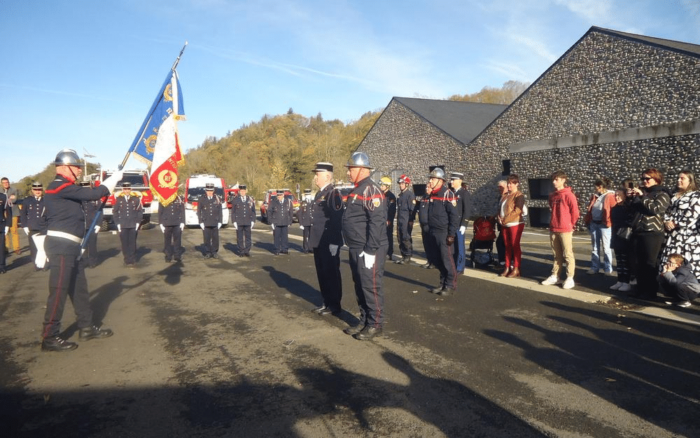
[(82, 74)]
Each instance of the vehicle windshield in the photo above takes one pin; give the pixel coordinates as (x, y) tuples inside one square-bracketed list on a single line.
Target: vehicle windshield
[(136, 179), (193, 193)]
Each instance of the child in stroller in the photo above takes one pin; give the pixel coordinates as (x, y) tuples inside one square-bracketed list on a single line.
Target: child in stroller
[(481, 246)]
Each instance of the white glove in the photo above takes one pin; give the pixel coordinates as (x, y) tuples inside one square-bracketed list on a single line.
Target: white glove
[(97, 229), (235, 225), (119, 228), (218, 226), (301, 227), (369, 259), (7, 229), (273, 226), (182, 227), (162, 228), (112, 181), (252, 224), (333, 249), (137, 227), (26, 230), (462, 229), (202, 225)]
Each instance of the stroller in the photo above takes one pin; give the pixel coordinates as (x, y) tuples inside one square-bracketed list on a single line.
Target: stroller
[(481, 246)]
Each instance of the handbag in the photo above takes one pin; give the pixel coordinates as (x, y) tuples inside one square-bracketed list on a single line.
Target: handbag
[(624, 233)]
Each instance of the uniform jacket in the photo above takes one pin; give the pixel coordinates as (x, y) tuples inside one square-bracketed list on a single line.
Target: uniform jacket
[(608, 203), (565, 211), (173, 214), (63, 201), (391, 204), (406, 204), (651, 207), (443, 215), (91, 208), (33, 215), (364, 220), (243, 212), (128, 213), (464, 206), (14, 205), (281, 213), (327, 215), (5, 212), (422, 210), (514, 207), (209, 210), (305, 214)]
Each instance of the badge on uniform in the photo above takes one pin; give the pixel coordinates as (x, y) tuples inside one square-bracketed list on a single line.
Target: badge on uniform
[(376, 202), (454, 203), (414, 202)]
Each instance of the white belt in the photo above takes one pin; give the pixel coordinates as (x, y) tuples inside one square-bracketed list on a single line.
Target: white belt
[(63, 235)]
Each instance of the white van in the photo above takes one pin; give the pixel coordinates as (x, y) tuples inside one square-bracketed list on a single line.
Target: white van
[(194, 188)]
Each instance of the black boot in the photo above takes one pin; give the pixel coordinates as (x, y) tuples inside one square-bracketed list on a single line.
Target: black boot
[(368, 333), (355, 329), (54, 343), (94, 332)]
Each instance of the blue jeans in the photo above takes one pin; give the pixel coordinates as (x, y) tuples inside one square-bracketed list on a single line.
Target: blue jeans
[(600, 235)]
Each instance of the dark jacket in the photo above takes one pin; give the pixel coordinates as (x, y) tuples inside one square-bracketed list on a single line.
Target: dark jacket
[(128, 213), (406, 204), (651, 205), (464, 206), (63, 201), (327, 214), (682, 275), (209, 210), (281, 213), (620, 216), (305, 214), (5, 212), (33, 215), (173, 214), (391, 204), (443, 216), (422, 210), (243, 212), (364, 220)]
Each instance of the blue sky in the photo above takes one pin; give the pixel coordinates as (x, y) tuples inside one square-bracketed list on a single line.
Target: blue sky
[(82, 74)]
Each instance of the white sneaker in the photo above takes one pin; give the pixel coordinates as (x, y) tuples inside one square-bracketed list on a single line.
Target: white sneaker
[(625, 287), (633, 282), (616, 286), (682, 304), (569, 283), (592, 271), (552, 279)]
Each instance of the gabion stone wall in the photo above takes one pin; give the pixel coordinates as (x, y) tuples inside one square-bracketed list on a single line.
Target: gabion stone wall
[(603, 83), (402, 140)]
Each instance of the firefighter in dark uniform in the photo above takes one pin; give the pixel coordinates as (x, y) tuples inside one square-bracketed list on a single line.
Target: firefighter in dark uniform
[(5, 222), (406, 203), (422, 211), (33, 217), (326, 238), (364, 223), (384, 184), (281, 217), (66, 229), (443, 221), (210, 215), (305, 216), (128, 214), (464, 209), (91, 208), (172, 222), (243, 214)]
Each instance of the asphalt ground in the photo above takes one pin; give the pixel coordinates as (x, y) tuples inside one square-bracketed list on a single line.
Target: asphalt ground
[(229, 347)]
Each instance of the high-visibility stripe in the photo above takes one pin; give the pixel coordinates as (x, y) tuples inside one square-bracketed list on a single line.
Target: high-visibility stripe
[(59, 188)]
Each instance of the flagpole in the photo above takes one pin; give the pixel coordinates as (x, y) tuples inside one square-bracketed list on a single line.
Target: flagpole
[(150, 113)]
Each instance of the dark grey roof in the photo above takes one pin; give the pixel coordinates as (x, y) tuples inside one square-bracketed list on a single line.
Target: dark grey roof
[(678, 46), (461, 120)]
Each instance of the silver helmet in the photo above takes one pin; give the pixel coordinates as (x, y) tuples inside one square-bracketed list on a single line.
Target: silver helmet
[(359, 159), (437, 173), (67, 157)]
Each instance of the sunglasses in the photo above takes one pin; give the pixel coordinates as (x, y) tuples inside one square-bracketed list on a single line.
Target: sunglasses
[(645, 179)]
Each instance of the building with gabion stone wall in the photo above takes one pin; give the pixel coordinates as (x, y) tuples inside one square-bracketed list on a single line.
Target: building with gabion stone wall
[(612, 105), (412, 134)]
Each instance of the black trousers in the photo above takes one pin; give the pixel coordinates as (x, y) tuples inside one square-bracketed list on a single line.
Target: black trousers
[(305, 238), (390, 238), (328, 273), (91, 249), (172, 241), (243, 237), (444, 260), (281, 234), (2, 250), (405, 240), (368, 286), (428, 245), (211, 240), (66, 279), (128, 239), (646, 247)]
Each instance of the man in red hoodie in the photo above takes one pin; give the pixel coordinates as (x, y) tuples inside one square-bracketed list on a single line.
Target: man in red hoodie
[(565, 213)]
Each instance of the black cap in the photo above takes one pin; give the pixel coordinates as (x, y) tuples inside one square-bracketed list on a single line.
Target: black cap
[(456, 175), (242, 187), (323, 167), (209, 186), (37, 185), (126, 185)]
